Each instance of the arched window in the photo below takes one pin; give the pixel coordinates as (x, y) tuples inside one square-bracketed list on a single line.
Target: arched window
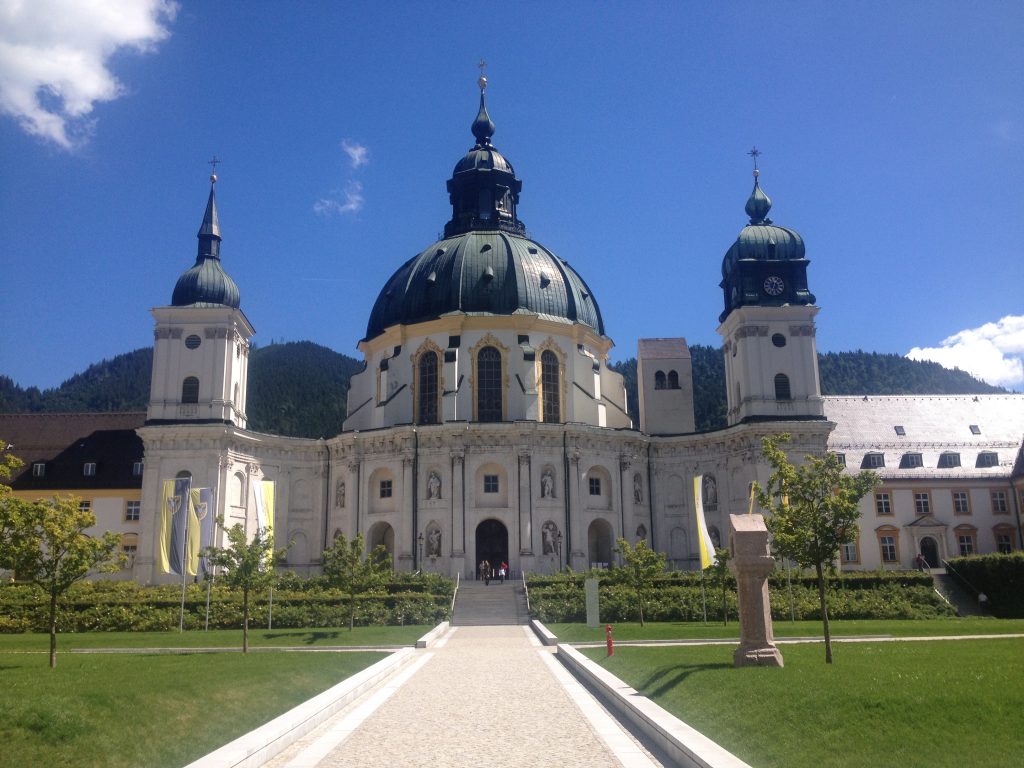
[(488, 384), (659, 380), (673, 380), (782, 387), (190, 390), (427, 389), (550, 386)]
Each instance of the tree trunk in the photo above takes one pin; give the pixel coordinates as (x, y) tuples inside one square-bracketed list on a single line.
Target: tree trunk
[(245, 621), (351, 612), (824, 613), (53, 630)]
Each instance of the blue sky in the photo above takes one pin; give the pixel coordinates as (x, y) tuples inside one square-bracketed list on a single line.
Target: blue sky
[(892, 138)]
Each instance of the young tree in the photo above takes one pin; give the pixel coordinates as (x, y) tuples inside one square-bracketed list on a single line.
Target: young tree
[(813, 512), (640, 566), (346, 567), (721, 570), (247, 565), (9, 509), (52, 550)]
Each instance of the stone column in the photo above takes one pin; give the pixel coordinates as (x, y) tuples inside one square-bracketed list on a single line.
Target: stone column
[(458, 504), (625, 497), (525, 506), (575, 539), (406, 535), (751, 563)]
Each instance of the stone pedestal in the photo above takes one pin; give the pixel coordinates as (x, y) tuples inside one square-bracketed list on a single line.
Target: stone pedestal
[(751, 563)]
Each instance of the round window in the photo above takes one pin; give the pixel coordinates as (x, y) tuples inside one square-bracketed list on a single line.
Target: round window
[(193, 341), (778, 340)]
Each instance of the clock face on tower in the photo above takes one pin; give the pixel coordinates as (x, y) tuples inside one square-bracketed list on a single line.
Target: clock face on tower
[(773, 285)]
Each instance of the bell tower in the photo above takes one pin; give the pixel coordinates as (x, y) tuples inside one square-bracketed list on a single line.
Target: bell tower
[(767, 327), (201, 341)]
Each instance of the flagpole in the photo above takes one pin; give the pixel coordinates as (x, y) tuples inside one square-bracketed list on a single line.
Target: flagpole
[(703, 597), (212, 574), (186, 501)]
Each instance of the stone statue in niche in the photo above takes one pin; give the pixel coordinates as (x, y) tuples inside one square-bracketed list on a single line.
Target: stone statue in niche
[(547, 484), (434, 542), (549, 534), (339, 495), (638, 489), (710, 491), (641, 531), (434, 486)]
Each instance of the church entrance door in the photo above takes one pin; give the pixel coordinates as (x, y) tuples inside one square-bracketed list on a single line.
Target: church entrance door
[(930, 550), (492, 543)]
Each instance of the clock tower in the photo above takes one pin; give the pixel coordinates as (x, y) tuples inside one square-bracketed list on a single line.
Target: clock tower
[(767, 327)]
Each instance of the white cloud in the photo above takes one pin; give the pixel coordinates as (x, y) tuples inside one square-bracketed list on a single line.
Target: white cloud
[(53, 59), (357, 153), (352, 202), (994, 352)]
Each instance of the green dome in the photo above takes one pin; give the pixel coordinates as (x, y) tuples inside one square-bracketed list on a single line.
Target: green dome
[(485, 264), (763, 252), (206, 284), (484, 272)]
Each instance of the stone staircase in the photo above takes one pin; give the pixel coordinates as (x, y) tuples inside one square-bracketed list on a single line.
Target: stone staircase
[(477, 605), (966, 604)]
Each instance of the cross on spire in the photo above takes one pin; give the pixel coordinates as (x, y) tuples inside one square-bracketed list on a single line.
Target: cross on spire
[(482, 82), (754, 153), (213, 174)]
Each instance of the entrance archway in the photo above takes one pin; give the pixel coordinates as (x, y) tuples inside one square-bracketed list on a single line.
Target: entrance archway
[(930, 550), (599, 544), (382, 534), (492, 543)]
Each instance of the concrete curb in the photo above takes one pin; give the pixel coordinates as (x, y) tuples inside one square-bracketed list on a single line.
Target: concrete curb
[(542, 632), (685, 746), (260, 745), (432, 636)]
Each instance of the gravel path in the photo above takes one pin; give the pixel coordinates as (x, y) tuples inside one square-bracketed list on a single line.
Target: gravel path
[(484, 696)]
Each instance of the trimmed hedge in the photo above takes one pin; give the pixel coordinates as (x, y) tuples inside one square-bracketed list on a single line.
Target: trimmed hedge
[(1000, 577), (114, 606), (677, 597)]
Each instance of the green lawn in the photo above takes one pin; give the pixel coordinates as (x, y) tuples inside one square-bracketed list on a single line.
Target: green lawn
[(580, 633), (150, 710), (218, 638), (941, 703)]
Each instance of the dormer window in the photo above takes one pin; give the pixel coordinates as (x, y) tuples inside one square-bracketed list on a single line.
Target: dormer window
[(911, 461), (900, 430), (987, 459), (89, 469), (39, 469), (949, 459), (975, 429), (873, 461)]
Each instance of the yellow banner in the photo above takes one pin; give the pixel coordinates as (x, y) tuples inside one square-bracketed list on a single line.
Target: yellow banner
[(707, 547)]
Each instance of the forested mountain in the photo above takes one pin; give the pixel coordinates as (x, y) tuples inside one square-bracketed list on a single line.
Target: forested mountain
[(842, 373), (297, 389), (300, 388)]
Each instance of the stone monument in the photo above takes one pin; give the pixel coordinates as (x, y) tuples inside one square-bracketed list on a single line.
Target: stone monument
[(751, 563)]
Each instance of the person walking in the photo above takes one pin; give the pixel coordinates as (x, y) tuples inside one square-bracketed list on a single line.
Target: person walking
[(502, 571)]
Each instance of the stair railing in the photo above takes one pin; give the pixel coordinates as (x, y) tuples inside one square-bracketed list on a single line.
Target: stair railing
[(959, 579), (455, 593), (526, 591)]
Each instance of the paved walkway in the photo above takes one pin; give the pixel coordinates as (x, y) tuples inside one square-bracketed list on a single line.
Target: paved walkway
[(482, 696)]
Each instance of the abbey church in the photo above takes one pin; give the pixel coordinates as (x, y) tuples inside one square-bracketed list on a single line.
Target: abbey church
[(487, 425)]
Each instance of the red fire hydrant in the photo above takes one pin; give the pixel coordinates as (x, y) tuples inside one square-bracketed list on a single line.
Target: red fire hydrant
[(608, 637)]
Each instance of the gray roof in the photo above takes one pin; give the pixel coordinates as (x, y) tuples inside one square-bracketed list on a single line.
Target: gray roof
[(931, 425), (663, 348), (495, 273)]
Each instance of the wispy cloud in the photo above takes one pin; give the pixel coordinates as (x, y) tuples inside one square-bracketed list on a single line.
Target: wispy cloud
[(54, 54), (351, 201), (994, 352), (357, 153)]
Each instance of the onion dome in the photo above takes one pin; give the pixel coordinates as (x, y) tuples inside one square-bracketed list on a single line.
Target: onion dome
[(766, 264), (485, 264), (206, 284)]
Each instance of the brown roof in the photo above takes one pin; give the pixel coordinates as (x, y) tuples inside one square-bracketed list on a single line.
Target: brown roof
[(65, 442)]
